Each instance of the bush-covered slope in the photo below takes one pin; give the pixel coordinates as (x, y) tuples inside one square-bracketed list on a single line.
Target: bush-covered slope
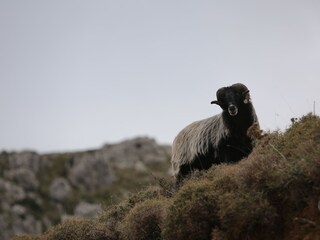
[(273, 194)]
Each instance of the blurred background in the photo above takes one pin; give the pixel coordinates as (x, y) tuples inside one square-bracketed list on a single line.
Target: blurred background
[(92, 93), (76, 75)]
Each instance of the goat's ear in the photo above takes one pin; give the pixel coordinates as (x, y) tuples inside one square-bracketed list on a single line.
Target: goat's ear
[(245, 92), (246, 98)]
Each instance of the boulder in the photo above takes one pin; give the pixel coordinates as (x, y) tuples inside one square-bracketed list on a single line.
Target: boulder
[(90, 172), (26, 159), (26, 225), (14, 223), (5, 231), (130, 152), (59, 189), (11, 193), (18, 210), (24, 178), (84, 209)]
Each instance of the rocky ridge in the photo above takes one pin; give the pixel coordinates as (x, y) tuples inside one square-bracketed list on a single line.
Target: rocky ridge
[(39, 191)]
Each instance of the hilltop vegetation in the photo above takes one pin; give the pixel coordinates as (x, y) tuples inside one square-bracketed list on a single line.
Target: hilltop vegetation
[(273, 194)]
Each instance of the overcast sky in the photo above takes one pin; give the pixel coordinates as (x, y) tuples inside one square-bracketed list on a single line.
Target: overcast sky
[(78, 74)]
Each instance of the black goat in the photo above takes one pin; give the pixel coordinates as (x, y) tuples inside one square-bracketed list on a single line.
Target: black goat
[(222, 138)]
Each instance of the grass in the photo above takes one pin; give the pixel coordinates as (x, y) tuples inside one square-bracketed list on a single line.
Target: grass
[(273, 194)]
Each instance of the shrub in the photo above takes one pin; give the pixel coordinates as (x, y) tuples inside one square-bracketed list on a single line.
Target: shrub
[(26, 237), (144, 221), (193, 212), (115, 214), (80, 229), (247, 215)]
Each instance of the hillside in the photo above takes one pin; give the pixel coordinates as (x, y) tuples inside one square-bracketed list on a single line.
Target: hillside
[(273, 194), (38, 191)]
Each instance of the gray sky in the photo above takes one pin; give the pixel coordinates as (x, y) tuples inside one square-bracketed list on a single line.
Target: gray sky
[(77, 74)]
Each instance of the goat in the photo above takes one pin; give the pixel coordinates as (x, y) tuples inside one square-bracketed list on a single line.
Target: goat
[(221, 138)]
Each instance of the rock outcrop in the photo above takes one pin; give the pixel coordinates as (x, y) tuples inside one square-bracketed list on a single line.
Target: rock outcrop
[(39, 190), (91, 171), (84, 209), (129, 153), (59, 189)]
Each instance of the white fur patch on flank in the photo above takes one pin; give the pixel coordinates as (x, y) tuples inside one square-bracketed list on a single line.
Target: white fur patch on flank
[(195, 139)]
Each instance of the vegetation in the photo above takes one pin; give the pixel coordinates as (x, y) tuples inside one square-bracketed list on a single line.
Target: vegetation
[(273, 194)]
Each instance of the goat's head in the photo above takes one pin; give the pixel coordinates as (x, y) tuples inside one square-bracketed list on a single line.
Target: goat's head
[(233, 98)]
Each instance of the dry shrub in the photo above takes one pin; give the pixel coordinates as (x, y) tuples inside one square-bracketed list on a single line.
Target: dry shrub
[(144, 221), (259, 195), (68, 230), (223, 176), (167, 186), (306, 225), (26, 237), (246, 215), (193, 213), (243, 207), (283, 161), (302, 138), (115, 214), (218, 234), (80, 229)]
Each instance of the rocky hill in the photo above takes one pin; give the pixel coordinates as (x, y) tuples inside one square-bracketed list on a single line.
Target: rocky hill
[(38, 191), (272, 194)]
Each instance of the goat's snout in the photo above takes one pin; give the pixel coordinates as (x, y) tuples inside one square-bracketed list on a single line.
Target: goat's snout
[(233, 110)]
